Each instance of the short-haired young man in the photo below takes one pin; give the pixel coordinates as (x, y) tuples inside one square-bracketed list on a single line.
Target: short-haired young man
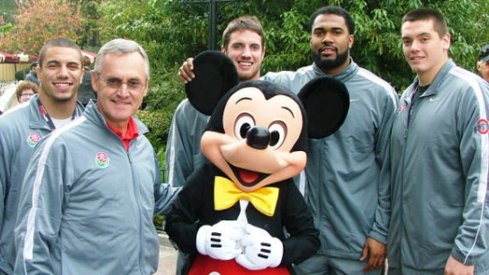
[(244, 43), (439, 159), (349, 199), (60, 72)]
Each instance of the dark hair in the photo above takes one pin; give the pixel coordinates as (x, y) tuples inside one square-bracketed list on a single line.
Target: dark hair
[(484, 52), (58, 42), (34, 64), (240, 24), (25, 85), (439, 23), (350, 24)]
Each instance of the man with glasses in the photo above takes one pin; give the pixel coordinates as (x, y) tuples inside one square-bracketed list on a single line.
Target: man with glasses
[(88, 204), (483, 62), (60, 73)]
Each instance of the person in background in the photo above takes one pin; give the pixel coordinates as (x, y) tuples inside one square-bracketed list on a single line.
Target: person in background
[(438, 159), (25, 90), (55, 105), (87, 205), (32, 75), (86, 92), (483, 62)]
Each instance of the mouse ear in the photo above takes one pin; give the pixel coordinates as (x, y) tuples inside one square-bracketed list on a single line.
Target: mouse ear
[(326, 102), (215, 74)]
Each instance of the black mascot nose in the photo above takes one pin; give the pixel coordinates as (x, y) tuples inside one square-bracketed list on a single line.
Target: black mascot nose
[(258, 137)]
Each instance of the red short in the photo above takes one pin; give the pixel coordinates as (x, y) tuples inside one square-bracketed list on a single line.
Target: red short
[(204, 265)]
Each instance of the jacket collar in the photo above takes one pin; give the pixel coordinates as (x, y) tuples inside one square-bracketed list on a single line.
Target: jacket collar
[(36, 120), (94, 115), (437, 81), (343, 76)]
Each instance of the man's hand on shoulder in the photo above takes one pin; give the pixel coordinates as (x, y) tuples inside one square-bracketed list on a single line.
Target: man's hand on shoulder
[(185, 72)]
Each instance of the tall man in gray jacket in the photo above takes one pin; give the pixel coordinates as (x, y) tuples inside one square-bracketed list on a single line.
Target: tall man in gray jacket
[(349, 201), (60, 72), (87, 205), (439, 159)]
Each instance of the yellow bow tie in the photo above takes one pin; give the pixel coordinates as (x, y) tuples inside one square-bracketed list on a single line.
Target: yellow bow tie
[(226, 194)]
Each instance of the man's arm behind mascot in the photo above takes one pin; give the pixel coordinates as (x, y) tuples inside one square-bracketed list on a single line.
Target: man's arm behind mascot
[(237, 206)]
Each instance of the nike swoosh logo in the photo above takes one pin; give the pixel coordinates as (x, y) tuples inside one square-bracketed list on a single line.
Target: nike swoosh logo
[(434, 99), (353, 100)]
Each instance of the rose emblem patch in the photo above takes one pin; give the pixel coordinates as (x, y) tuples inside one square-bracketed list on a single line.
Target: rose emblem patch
[(102, 160), (33, 139)]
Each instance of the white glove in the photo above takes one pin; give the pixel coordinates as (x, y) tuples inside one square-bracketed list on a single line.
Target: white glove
[(220, 241), (260, 249)]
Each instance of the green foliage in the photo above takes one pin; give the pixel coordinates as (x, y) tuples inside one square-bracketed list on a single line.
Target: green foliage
[(38, 21), (172, 30), (7, 10), (90, 17), (7, 27), (20, 75), (160, 103)]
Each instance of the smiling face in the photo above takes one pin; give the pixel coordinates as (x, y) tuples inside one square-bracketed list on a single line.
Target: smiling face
[(424, 49), (60, 74), (121, 86), (259, 134), (246, 51), (331, 43)]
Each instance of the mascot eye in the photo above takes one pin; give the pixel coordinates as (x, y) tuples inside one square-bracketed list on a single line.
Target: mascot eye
[(243, 124), (278, 131)]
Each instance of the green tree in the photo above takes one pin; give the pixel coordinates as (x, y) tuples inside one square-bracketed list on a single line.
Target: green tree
[(7, 11), (172, 30), (38, 21), (89, 18)]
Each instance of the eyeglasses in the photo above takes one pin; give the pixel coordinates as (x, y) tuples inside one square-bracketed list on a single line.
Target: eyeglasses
[(27, 94), (116, 83)]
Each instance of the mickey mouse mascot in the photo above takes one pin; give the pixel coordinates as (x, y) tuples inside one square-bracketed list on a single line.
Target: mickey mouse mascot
[(241, 213)]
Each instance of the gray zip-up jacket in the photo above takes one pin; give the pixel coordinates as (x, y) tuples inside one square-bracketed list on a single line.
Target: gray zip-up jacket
[(87, 204), (20, 130), (183, 154), (440, 167), (348, 200)]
